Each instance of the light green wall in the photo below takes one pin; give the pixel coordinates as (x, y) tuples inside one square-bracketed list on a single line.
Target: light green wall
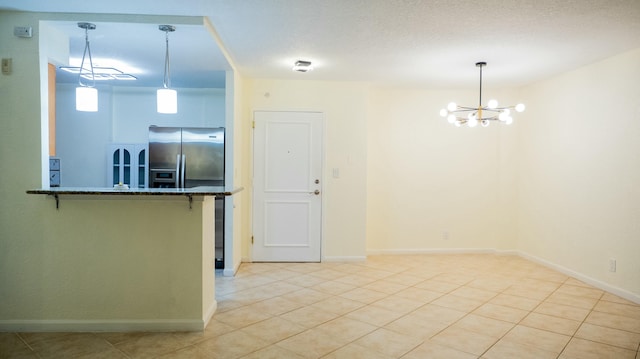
[(136, 264), (23, 254)]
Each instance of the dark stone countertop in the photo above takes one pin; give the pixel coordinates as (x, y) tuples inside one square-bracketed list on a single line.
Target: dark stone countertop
[(218, 191)]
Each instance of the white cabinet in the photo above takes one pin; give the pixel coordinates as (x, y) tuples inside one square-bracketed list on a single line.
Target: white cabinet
[(127, 164)]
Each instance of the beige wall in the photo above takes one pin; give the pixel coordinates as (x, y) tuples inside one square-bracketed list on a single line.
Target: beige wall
[(556, 186), (344, 105), (426, 177), (579, 174)]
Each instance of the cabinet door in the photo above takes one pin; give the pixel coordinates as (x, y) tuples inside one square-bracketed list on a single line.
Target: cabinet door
[(141, 161), (127, 164)]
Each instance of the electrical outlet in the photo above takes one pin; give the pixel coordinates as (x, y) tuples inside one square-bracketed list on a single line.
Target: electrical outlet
[(612, 265), (445, 235)]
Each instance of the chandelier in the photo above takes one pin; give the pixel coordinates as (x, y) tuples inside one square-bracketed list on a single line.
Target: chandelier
[(471, 116)]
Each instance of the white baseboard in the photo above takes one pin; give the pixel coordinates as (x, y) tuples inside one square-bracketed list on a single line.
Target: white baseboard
[(209, 314), (230, 272), (431, 251), (344, 258), (140, 325), (584, 278)]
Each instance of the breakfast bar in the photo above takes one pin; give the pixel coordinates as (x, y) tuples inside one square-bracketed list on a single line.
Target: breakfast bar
[(216, 191), (140, 259)]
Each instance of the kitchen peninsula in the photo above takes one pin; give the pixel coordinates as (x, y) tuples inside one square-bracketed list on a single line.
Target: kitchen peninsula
[(139, 259)]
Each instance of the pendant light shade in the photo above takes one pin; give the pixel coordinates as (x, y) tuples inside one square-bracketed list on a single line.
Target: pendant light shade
[(86, 99), (167, 101), (167, 98), (86, 95)]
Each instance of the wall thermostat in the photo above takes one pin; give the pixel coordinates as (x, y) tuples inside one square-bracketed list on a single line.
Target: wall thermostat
[(23, 31)]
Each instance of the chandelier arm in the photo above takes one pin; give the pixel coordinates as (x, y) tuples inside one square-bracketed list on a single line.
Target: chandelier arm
[(465, 108)]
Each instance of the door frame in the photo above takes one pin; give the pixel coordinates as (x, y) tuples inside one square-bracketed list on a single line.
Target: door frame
[(323, 177)]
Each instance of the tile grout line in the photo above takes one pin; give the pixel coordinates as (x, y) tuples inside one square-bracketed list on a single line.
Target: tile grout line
[(28, 346), (581, 323), (530, 311)]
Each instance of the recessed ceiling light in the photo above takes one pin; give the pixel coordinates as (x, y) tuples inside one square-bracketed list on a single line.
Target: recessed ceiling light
[(302, 66)]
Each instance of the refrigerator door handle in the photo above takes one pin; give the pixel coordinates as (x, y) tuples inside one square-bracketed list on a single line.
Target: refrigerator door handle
[(178, 171), (184, 160)]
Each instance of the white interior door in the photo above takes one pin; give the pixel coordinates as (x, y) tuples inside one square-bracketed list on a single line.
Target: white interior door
[(287, 186)]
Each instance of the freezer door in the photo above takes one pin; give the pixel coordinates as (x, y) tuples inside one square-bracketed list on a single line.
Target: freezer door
[(164, 148), (203, 150)]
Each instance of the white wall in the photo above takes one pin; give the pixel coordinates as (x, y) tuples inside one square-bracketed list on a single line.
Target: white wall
[(134, 110), (81, 138), (124, 116), (580, 171)]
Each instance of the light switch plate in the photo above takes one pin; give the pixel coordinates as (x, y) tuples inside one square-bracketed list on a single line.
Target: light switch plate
[(54, 171), (6, 66), (54, 163)]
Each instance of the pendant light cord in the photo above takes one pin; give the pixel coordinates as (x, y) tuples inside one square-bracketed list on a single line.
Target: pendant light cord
[(87, 49), (167, 69)]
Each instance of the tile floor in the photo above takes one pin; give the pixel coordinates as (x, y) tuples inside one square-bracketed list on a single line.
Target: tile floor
[(419, 306)]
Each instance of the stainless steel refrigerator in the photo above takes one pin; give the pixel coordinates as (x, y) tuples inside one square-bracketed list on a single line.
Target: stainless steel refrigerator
[(186, 157)]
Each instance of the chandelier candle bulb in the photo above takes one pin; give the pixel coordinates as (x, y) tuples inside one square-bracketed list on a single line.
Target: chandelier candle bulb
[(461, 115)]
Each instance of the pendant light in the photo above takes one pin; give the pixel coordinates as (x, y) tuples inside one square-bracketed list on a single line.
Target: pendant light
[(167, 101), (483, 115), (86, 95)]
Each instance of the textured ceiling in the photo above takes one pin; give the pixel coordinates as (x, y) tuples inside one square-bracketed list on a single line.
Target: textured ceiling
[(426, 44)]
